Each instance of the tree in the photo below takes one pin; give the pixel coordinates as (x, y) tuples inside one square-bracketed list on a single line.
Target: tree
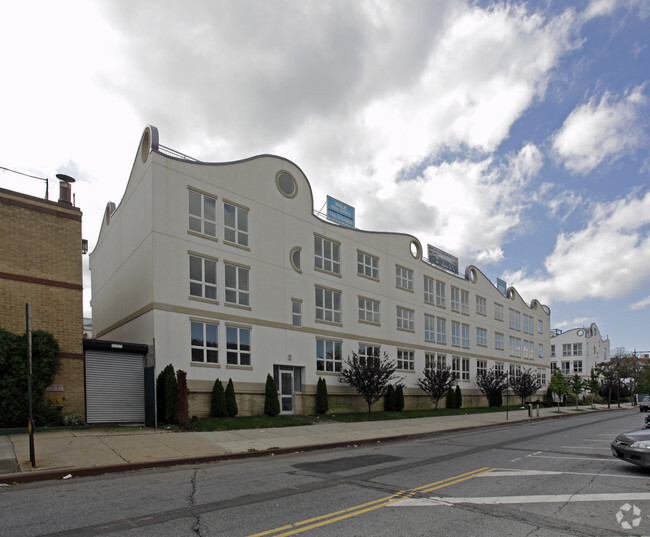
[(14, 399), (161, 392), (231, 400), (593, 385), (525, 384), (271, 403), (436, 382), (399, 398), (559, 385), (450, 400), (171, 392), (181, 411), (218, 404), (369, 378), (608, 371), (576, 384), (492, 384), (389, 399), (458, 397), (322, 403)]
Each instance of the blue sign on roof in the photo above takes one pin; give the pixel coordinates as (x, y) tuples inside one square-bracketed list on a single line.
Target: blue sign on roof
[(340, 212)]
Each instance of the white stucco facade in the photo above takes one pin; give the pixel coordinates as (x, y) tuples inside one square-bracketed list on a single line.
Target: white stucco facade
[(227, 272), (578, 350)]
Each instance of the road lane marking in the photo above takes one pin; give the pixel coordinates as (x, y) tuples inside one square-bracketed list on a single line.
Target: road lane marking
[(322, 520), (506, 472), (543, 498)]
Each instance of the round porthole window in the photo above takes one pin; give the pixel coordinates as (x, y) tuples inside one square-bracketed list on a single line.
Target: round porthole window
[(286, 184), (416, 249)]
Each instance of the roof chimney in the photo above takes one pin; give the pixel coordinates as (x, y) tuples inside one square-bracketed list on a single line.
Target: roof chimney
[(65, 188)]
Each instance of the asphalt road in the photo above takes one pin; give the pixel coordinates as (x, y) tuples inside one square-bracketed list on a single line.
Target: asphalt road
[(549, 478)]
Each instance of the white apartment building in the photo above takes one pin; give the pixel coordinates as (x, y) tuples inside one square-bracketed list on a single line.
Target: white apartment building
[(578, 350), (227, 272)]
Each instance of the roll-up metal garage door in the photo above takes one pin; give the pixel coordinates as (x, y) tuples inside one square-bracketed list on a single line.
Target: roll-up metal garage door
[(114, 387)]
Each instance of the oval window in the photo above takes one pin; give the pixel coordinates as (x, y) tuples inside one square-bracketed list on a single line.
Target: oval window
[(286, 184), (294, 256)]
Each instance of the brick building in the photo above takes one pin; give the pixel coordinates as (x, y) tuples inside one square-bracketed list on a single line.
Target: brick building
[(40, 264)]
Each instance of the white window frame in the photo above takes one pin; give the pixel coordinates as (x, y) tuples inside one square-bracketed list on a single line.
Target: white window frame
[(202, 222), (406, 359), (481, 305), (455, 298), (209, 353), (465, 369), (441, 294), (237, 292), (499, 341), (328, 305), (296, 312), (464, 302), (238, 352), (368, 310), (577, 366), (367, 265), (441, 331), (405, 319), (403, 278), (327, 255), (369, 352), (329, 355), (481, 367), (455, 333), (429, 290), (498, 311), (464, 328), (203, 285), (481, 336), (235, 224)]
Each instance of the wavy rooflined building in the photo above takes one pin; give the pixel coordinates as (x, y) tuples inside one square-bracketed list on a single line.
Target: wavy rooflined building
[(226, 271)]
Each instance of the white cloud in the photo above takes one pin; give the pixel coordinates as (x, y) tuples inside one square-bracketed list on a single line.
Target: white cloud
[(609, 258), (602, 131), (574, 323), (641, 304)]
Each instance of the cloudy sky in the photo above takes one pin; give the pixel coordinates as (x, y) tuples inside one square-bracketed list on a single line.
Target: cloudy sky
[(514, 135)]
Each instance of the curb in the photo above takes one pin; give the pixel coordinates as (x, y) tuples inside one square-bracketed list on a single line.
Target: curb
[(46, 475)]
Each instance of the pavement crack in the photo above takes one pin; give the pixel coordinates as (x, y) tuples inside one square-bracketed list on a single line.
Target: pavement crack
[(198, 528)]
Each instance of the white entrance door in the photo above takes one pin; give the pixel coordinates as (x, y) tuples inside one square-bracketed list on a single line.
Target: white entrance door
[(286, 391)]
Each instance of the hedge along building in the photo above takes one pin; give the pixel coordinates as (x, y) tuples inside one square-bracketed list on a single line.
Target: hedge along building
[(225, 269), (41, 264)]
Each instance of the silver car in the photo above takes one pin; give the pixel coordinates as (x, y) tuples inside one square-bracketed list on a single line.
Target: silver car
[(633, 447)]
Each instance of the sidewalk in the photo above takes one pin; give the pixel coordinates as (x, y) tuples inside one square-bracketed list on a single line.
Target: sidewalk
[(100, 450)]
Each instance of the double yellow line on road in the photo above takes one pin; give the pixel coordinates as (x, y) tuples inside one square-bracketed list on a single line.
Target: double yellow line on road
[(323, 520)]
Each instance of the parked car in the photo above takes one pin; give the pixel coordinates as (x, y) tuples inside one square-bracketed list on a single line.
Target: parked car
[(633, 447), (644, 402)]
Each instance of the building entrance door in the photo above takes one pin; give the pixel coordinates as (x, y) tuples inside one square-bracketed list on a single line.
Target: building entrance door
[(286, 391)]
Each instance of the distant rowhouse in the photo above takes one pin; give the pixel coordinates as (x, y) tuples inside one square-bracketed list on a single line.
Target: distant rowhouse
[(578, 350), (224, 270)]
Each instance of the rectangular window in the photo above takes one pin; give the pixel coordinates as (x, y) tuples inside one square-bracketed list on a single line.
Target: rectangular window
[(540, 327), (498, 341), (577, 349), (441, 294), (481, 367), (203, 277), (540, 350), (465, 335), (238, 344), (204, 342), (455, 366), (566, 367), (403, 278), (235, 224), (541, 376), (498, 367), (455, 299), (481, 337), (529, 324), (529, 350), (455, 333), (441, 330), (368, 354), (237, 285), (498, 311), (511, 341), (515, 371), (464, 302), (435, 361), (202, 214), (514, 320), (566, 349), (429, 290), (327, 255), (577, 366), (328, 355), (515, 346), (405, 359), (296, 312), (328, 305), (465, 369), (481, 305), (367, 265), (368, 310), (552, 351), (429, 328), (553, 366), (405, 319)]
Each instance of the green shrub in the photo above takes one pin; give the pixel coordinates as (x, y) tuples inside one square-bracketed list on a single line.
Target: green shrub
[(322, 404), (14, 400), (449, 399), (231, 400), (399, 398), (389, 399), (458, 397), (72, 419), (271, 402), (218, 403), (171, 392), (181, 410)]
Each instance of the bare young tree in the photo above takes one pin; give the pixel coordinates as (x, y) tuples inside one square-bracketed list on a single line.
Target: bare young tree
[(369, 377), (492, 384), (525, 384), (436, 382)]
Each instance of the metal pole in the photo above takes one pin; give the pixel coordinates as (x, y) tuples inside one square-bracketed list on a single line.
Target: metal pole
[(30, 426)]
